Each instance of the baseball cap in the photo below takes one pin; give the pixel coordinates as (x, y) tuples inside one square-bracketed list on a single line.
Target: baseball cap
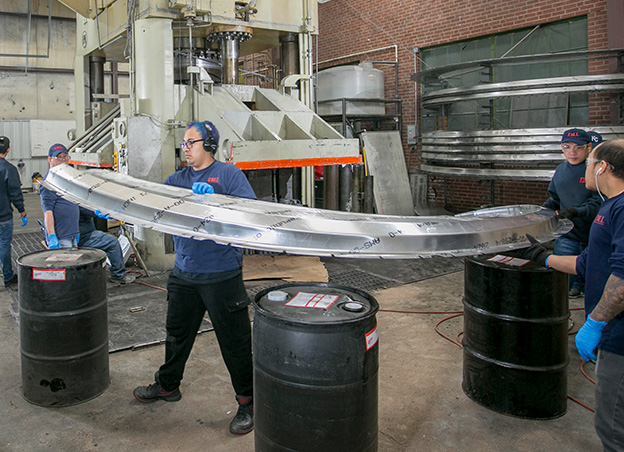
[(596, 138), (576, 136), (56, 149), (5, 144)]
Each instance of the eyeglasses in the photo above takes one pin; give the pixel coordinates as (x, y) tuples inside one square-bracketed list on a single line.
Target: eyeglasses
[(189, 143), (567, 148), (589, 161), (63, 157)]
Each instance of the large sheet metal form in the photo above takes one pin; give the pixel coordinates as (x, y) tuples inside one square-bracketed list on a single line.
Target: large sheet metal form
[(555, 85), (300, 230), (522, 154)]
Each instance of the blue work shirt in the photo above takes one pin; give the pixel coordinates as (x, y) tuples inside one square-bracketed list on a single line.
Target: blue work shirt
[(207, 256), (604, 257), (65, 213), (567, 190)]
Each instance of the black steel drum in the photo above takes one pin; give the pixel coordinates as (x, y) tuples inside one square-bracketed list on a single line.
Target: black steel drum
[(515, 338), (63, 326), (315, 369)]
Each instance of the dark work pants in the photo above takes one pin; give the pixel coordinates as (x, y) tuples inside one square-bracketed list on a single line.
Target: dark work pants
[(226, 303), (610, 401)]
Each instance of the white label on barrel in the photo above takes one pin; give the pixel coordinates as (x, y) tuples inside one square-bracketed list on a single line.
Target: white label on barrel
[(371, 338), (507, 260), (42, 274), (312, 300), (63, 257)]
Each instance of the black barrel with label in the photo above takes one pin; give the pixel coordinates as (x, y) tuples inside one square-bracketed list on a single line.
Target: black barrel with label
[(63, 326), (515, 337), (316, 362)]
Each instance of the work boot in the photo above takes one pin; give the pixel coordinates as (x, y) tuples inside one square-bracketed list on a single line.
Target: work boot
[(125, 279), (243, 422), (574, 293), (11, 283), (154, 392)]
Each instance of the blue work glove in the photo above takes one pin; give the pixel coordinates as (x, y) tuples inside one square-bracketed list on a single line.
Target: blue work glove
[(98, 213), (24, 221), (201, 188), (53, 242), (588, 337)]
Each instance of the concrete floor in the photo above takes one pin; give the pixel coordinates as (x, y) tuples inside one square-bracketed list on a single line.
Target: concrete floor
[(421, 403)]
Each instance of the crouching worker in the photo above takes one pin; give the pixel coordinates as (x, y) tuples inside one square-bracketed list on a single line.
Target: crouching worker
[(60, 216), (207, 277)]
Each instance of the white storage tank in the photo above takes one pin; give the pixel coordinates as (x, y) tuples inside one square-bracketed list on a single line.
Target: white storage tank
[(351, 82)]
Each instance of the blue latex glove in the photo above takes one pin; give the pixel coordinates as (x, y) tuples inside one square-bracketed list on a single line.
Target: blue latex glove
[(53, 242), (24, 221), (77, 238), (98, 213), (588, 337), (201, 188)]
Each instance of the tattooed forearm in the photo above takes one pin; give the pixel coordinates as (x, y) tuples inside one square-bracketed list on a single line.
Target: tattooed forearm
[(612, 300)]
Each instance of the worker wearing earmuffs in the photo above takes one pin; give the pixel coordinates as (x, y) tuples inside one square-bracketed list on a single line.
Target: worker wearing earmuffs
[(207, 277)]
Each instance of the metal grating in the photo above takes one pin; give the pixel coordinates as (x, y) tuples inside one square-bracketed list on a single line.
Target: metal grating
[(25, 243), (362, 280)]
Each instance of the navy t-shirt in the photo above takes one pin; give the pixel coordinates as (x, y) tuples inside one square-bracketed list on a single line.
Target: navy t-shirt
[(567, 190), (605, 257), (65, 213), (206, 256)]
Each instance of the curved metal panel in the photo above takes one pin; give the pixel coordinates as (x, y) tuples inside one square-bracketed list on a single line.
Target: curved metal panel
[(457, 155), (436, 73), (490, 173), (554, 85), (445, 152), (274, 227)]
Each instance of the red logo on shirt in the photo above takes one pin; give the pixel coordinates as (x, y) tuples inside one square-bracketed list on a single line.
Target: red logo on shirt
[(599, 220), (582, 180), (213, 180)]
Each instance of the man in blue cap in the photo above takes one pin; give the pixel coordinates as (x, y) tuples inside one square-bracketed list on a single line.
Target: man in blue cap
[(60, 216), (570, 198), (10, 193)]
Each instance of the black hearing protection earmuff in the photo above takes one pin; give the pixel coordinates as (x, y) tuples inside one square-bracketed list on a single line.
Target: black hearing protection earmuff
[(210, 144)]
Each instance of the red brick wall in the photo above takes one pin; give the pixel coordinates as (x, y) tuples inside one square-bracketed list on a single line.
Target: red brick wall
[(352, 26)]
